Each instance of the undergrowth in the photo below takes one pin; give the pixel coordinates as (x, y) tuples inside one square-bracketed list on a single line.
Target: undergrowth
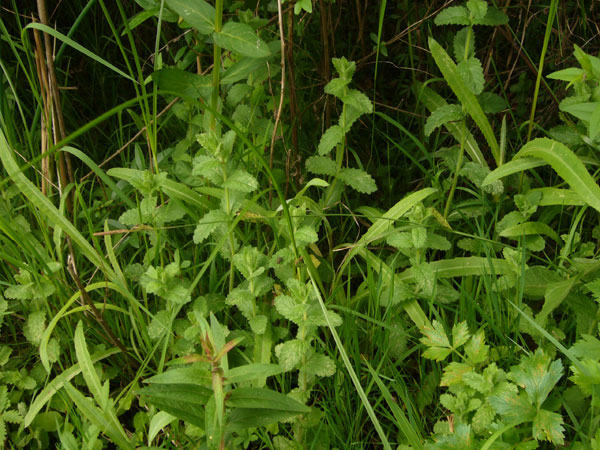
[(305, 225)]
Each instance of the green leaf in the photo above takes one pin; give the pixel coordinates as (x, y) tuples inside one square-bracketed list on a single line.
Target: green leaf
[(290, 353), (433, 101), (460, 43), (472, 75), (587, 347), (240, 69), (159, 421), (208, 224), (554, 296), (182, 83), (359, 180), (477, 8), (435, 338), (88, 371), (537, 375), (258, 324), (251, 372), (321, 165), (198, 13), (493, 17), (332, 137), (568, 166), (260, 398), (241, 38), (47, 209), (184, 401), (475, 350), (453, 15), (529, 228), (442, 116), (572, 74), (303, 5), (547, 426), (514, 166), (359, 101), (511, 405), (107, 423), (491, 103), (460, 334), (35, 326), (241, 181), (319, 365), (465, 96)]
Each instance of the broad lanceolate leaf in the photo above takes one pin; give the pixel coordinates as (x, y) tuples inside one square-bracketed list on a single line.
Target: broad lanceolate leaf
[(453, 15), (472, 74), (465, 96), (241, 181), (183, 83), (332, 137), (358, 180), (567, 165), (259, 398), (198, 13), (321, 165), (184, 401), (241, 38), (208, 224), (441, 116)]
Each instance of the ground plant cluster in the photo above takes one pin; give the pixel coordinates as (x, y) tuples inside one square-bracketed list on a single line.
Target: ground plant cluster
[(310, 224)]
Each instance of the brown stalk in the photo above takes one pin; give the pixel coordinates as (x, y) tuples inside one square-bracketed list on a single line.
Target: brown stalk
[(65, 171)]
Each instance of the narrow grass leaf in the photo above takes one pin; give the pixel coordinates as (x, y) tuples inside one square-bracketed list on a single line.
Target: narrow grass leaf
[(48, 209), (87, 367), (80, 48), (58, 382)]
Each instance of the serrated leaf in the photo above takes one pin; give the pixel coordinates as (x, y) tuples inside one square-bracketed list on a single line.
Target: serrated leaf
[(344, 68), (198, 13), (453, 15), (159, 325), (442, 116), (241, 38), (258, 324), (493, 17), (471, 73), (243, 300), (510, 404), (437, 341), (454, 372), (290, 308), (332, 137), (537, 375), (241, 181), (290, 353), (319, 365), (478, 382), (477, 8), (359, 101), (208, 224), (460, 42), (358, 180), (475, 350), (460, 334), (587, 347), (35, 326), (321, 165), (547, 426)]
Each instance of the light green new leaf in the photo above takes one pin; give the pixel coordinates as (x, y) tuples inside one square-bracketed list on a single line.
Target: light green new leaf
[(160, 420), (241, 38), (568, 166), (554, 296), (465, 96), (460, 334), (198, 13)]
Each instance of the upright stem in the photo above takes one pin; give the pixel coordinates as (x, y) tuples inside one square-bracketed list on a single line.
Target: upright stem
[(214, 100)]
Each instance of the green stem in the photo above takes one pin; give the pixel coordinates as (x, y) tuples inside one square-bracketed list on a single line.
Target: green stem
[(214, 100)]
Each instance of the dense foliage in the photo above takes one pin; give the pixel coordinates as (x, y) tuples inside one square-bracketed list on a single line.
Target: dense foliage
[(299, 225)]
